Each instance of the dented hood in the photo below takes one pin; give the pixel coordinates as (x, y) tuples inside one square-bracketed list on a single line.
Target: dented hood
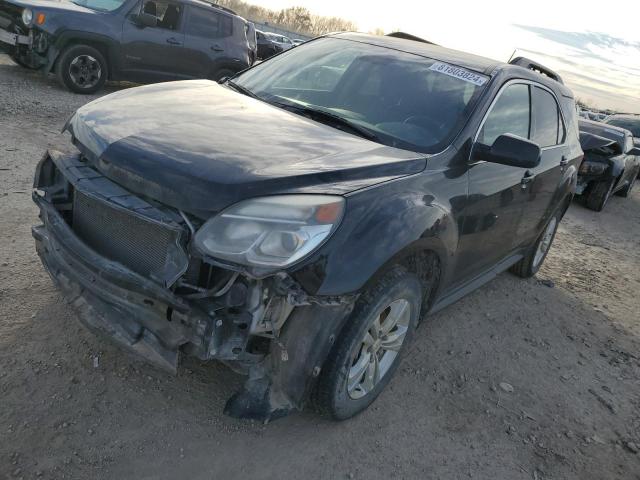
[(200, 147)]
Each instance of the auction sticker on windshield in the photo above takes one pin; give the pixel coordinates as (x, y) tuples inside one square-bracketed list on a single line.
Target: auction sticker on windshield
[(460, 73)]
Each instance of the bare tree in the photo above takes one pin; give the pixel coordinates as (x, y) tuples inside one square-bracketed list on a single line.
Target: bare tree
[(297, 19)]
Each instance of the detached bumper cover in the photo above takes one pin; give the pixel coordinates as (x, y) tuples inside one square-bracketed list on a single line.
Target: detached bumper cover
[(14, 39), (114, 301)]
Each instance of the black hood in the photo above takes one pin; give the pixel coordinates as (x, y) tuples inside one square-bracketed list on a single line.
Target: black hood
[(200, 146)]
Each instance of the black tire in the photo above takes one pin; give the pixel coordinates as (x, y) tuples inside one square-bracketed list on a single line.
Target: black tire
[(535, 257), (331, 395), (599, 194), (82, 69), (222, 73), (19, 62), (626, 191)]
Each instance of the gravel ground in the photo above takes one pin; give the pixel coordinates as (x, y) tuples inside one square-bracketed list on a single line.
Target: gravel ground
[(534, 379)]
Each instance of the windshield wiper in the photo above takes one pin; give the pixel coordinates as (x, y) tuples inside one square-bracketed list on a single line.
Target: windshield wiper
[(329, 118), (243, 90)]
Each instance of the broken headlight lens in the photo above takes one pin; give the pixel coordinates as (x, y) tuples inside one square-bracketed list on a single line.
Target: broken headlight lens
[(592, 168), (271, 231)]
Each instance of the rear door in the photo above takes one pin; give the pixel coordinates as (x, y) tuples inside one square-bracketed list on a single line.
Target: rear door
[(494, 206), (207, 38), (549, 132), (154, 53)]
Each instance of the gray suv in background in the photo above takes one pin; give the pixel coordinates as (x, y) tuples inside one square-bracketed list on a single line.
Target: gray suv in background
[(86, 42)]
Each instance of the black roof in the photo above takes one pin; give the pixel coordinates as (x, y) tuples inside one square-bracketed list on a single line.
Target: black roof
[(605, 130), (469, 61)]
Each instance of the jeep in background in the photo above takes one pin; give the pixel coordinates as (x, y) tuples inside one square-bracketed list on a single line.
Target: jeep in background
[(302, 251), (610, 166), (87, 42)]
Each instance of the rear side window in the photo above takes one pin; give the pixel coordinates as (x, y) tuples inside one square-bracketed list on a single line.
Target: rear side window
[(510, 114), (548, 129), (209, 24)]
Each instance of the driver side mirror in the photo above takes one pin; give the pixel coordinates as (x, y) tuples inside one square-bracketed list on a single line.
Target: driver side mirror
[(146, 20), (510, 150)]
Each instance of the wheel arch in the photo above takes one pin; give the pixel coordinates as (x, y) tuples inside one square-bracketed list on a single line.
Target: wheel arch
[(103, 44)]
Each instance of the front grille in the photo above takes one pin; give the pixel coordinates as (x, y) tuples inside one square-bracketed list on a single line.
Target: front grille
[(123, 237)]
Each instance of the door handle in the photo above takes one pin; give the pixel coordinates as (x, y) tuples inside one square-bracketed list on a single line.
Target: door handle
[(563, 163), (527, 179), (217, 48), (173, 41)]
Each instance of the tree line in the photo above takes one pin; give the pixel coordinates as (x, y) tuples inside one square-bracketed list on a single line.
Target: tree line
[(296, 19)]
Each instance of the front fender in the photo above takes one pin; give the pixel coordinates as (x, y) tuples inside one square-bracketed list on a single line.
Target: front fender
[(382, 226), (66, 37)]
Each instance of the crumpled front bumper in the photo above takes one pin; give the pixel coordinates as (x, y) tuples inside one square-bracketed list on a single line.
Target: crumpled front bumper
[(116, 302)]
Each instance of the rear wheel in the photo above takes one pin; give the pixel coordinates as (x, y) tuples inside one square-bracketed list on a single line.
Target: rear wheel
[(533, 260), (82, 69), (599, 194), (371, 345)]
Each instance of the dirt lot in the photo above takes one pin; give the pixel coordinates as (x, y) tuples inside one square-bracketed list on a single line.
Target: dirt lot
[(567, 342)]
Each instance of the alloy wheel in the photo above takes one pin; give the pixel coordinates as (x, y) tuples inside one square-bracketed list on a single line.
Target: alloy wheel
[(545, 242), (85, 71), (379, 348)]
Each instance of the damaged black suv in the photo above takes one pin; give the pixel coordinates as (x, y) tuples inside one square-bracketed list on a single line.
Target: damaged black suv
[(296, 221)]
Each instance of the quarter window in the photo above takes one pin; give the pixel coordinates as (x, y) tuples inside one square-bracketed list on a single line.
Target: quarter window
[(510, 114), (549, 129), (209, 24)]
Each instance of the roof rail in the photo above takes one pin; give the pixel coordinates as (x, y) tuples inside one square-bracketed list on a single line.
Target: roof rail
[(536, 67), (408, 36), (215, 5)]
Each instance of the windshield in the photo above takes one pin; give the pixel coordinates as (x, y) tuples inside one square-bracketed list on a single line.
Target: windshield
[(100, 5), (404, 100), (631, 124)]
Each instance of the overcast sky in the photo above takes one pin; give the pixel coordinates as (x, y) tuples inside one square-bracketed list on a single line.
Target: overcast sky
[(596, 49)]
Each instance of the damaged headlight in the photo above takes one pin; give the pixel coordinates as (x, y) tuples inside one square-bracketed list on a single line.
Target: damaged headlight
[(271, 231)]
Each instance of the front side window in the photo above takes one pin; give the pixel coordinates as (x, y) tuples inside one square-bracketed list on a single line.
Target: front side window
[(168, 14), (511, 113), (208, 24), (401, 99), (549, 129)]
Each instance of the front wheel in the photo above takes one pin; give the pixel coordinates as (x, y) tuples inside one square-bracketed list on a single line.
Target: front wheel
[(533, 260), (626, 191), (82, 69), (599, 194), (371, 345)]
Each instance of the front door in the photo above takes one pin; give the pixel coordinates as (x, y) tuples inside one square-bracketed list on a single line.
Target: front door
[(495, 202), (549, 132), (154, 53)]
